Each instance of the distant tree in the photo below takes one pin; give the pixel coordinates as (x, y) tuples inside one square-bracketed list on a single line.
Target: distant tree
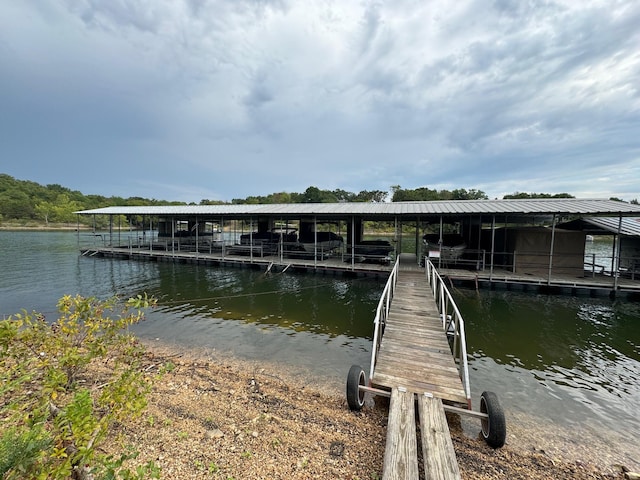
[(518, 195), (344, 196), (377, 196), (16, 204), (43, 210), (315, 195), (473, 194), (415, 195)]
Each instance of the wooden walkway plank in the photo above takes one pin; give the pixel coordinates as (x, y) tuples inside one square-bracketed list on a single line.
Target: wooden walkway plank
[(401, 449), (440, 461)]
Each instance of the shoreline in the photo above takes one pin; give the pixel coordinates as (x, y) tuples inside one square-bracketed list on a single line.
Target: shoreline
[(234, 418), (43, 228)]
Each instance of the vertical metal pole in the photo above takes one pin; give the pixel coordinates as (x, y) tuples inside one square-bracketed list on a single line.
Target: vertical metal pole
[(417, 249), (480, 244), (251, 239), (315, 242), (286, 228), (616, 255), (440, 244), (398, 236), (553, 237), (173, 236), (493, 246), (353, 242)]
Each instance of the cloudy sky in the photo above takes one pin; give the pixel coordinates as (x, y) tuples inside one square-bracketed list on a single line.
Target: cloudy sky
[(222, 99)]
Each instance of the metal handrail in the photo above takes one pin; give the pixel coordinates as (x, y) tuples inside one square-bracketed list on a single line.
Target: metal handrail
[(381, 314), (452, 323)]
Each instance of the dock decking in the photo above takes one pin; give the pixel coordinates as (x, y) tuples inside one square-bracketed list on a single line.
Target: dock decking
[(591, 285), (414, 352), (415, 362)]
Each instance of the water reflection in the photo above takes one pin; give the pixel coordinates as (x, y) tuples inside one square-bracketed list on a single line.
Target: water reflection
[(312, 303), (566, 359)]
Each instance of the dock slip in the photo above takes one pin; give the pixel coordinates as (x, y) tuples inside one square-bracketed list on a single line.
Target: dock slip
[(419, 357)]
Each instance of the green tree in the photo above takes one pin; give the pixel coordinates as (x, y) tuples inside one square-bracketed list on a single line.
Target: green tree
[(16, 204), (518, 195), (315, 195), (473, 194), (44, 211), (377, 196), (61, 209)]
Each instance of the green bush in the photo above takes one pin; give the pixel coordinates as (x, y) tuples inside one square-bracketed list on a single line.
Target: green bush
[(53, 414)]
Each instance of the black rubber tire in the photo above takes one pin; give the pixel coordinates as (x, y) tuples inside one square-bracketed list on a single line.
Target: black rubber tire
[(355, 396), (494, 428)]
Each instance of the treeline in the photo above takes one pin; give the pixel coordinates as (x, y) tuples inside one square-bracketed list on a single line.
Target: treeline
[(24, 200), (316, 195)]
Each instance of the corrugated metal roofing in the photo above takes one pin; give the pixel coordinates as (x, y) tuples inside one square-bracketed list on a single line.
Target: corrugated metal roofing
[(628, 226), (566, 206)]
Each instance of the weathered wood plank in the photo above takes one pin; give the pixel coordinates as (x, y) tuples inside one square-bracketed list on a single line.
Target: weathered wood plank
[(424, 355), (401, 450), (425, 375), (440, 462), (420, 386)]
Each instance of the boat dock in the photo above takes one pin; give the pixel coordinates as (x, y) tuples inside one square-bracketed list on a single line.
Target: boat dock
[(539, 244)]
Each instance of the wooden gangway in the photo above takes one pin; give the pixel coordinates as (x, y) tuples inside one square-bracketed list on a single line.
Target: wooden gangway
[(414, 352), (418, 358), (415, 360)]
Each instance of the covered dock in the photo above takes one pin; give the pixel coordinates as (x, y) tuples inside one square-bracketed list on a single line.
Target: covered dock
[(521, 244)]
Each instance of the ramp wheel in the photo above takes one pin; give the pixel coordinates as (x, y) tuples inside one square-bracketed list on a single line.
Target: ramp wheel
[(494, 427), (355, 397)]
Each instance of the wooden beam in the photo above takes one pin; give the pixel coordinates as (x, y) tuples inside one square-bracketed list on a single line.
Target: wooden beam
[(440, 462), (401, 450)]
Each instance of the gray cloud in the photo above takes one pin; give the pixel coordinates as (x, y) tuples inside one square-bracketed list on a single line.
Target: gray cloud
[(192, 99)]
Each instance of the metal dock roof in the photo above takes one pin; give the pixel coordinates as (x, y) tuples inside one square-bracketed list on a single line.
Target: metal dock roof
[(628, 226), (409, 210)]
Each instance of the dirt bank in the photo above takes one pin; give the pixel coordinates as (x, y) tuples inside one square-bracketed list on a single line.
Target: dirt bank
[(223, 419)]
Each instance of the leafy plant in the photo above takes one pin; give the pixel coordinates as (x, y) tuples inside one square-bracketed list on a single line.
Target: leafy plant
[(53, 414)]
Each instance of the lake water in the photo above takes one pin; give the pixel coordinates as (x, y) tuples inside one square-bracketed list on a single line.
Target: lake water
[(566, 369)]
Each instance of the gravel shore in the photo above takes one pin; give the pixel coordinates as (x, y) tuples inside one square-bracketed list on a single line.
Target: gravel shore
[(231, 419)]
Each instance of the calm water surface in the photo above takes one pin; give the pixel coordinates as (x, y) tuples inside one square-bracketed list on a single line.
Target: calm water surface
[(567, 369)]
